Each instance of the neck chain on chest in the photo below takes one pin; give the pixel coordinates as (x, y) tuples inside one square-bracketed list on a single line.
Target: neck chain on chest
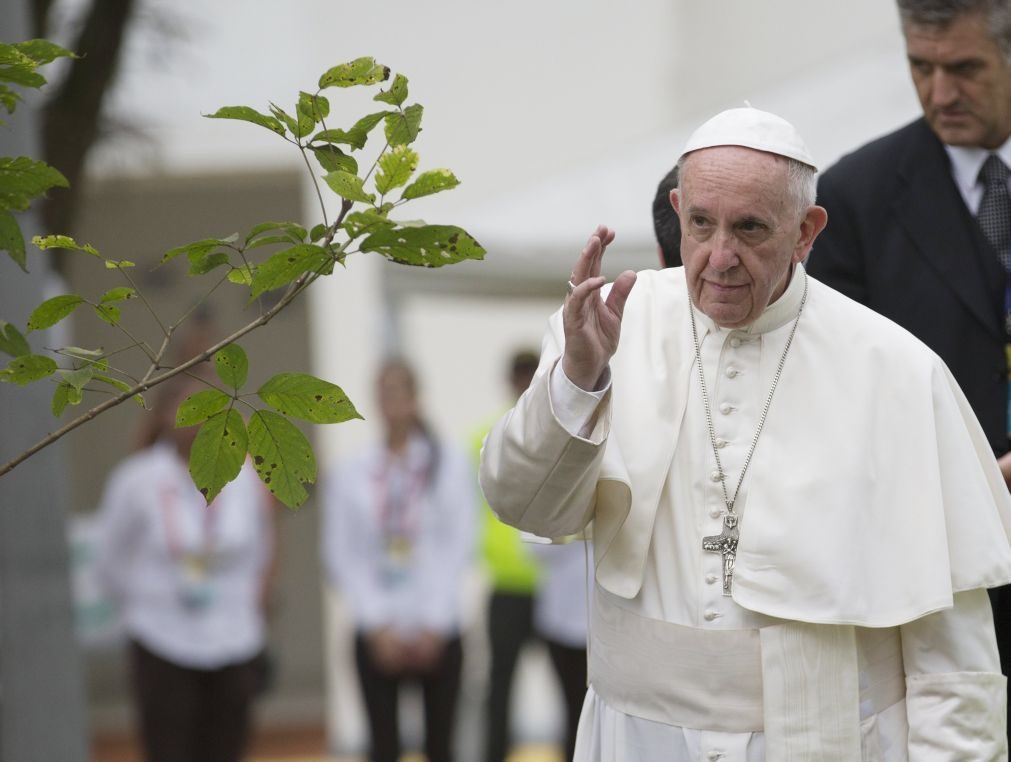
[(725, 543)]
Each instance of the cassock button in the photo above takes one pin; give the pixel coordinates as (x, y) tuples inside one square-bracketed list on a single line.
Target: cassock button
[(711, 579), (721, 443), (714, 755), (735, 342), (710, 616), (725, 408), (715, 513), (716, 476), (731, 372)]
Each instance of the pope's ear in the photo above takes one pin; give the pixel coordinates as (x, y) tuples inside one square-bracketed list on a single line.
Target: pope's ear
[(675, 200), (815, 220)]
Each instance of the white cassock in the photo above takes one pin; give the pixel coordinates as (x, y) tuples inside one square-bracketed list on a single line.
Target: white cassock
[(873, 517)]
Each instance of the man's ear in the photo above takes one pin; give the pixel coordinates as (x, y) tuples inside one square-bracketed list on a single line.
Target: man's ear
[(815, 220), (675, 200)]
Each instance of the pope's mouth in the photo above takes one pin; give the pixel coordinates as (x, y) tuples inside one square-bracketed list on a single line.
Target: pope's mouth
[(724, 288)]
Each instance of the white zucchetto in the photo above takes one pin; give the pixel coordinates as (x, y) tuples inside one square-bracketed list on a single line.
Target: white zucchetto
[(751, 128)]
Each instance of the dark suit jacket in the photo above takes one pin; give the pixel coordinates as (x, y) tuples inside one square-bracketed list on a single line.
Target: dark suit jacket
[(901, 240)]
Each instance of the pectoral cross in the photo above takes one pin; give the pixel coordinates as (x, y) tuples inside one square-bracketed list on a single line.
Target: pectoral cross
[(725, 543)]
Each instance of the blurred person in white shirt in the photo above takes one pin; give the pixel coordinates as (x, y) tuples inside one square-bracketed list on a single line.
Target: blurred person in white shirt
[(398, 538), (191, 582)]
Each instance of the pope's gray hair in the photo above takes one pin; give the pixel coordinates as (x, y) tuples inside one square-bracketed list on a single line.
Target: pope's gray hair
[(941, 13), (801, 181)]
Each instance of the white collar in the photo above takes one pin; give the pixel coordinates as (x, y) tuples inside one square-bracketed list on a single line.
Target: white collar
[(775, 315), (967, 161)]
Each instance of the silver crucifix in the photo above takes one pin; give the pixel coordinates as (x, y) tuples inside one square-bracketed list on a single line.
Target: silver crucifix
[(725, 543)]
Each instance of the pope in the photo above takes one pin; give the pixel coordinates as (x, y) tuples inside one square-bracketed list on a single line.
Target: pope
[(795, 514)]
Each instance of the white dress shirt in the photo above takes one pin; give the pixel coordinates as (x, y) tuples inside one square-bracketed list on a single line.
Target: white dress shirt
[(397, 546), (187, 576)]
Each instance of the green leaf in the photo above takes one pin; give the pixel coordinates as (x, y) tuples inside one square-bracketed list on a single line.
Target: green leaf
[(314, 107), (299, 127), (79, 377), (218, 452), (427, 246), (11, 239), (198, 407), (361, 71), (317, 232), (307, 397), (197, 248), (63, 242), (247, 114), (348, 186), (295, 232), (26, 76), (9, 54), (115, 264), (85, 354), (242, 275), (267, 240), (282, 456), (23, 179), (122, 386), (27, 368), (397, 92), (63, 395), (232, 365), (52, 311), (202, 263), (357, 135), (108, 313), (402, 128), (43, 51), (282, 268), (432, 181), (11, 340), (366, 221), (117, 294), (331, 158), (396, 168)]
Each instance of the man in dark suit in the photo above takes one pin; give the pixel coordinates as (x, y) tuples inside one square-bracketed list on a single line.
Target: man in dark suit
[(918, 220)]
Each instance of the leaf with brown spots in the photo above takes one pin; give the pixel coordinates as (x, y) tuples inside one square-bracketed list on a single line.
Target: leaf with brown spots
[(308, 398), (427, 245), (218, 452), (282, 456)]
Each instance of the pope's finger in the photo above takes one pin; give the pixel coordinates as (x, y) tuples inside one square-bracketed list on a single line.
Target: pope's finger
[(584, 267), (620, 290), (583, 291)]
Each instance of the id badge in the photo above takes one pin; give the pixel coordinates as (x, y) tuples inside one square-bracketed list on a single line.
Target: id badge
[(195, 589), (397, 558)]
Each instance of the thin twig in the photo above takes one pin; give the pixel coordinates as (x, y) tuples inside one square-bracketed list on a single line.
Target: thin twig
[(148, 383)]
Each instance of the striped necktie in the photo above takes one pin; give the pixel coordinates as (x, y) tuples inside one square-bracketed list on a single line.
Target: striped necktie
[(995, 209)]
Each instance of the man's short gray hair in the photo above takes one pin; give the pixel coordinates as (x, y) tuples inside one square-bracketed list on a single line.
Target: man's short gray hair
[(801, 181), (940, 13)]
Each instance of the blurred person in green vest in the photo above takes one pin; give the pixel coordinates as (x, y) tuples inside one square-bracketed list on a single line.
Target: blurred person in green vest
[(513, 574)]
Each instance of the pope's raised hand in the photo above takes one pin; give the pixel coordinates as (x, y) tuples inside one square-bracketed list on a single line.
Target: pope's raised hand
[(592, 323)]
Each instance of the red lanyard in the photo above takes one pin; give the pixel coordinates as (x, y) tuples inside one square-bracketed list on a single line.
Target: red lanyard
[(170, 511), (400, 515)]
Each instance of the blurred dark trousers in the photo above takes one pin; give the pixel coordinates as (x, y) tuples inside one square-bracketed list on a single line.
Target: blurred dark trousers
[(192, 715), (570, 666), (1000, 602), (510, 626), (440, 688)]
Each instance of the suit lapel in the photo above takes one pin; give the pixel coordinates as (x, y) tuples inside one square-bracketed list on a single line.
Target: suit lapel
[(934, 215)]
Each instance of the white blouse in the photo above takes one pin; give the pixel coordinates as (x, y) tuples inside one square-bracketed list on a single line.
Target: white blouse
[(187, 576), (397, 541)]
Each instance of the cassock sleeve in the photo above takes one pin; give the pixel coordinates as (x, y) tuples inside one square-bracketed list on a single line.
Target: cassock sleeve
[(535, 475), (955, 693)]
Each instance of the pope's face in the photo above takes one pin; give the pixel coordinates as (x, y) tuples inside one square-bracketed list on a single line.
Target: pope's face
[(742, 232), (962, 81)]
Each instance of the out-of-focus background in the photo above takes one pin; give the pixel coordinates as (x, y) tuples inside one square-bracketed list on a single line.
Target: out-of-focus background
[(556, 116)]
